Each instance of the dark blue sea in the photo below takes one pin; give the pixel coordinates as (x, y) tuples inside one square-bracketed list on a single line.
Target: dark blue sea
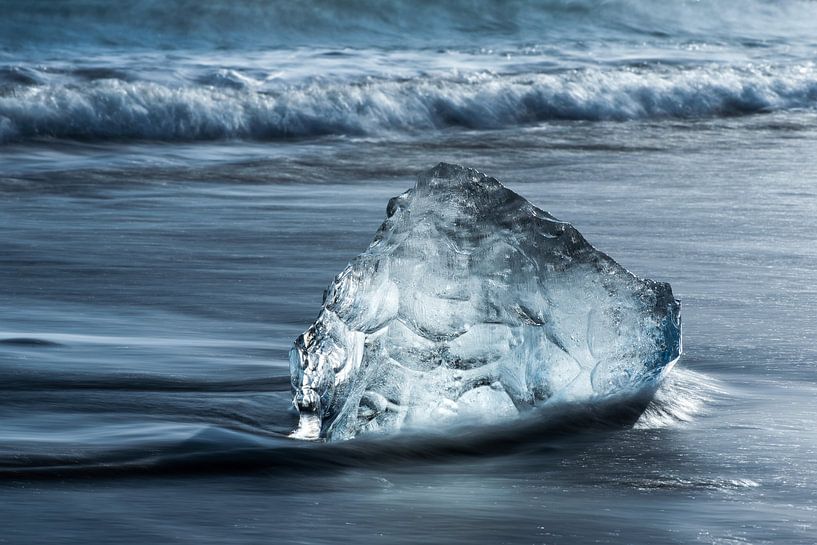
[(180, 180)]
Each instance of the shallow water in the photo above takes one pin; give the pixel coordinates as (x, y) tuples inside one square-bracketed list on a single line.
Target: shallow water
[(151, 282)]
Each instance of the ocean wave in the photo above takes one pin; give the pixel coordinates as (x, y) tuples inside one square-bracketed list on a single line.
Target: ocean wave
[(126, 110)]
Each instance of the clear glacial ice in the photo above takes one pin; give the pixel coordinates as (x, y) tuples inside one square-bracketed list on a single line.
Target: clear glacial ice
[(473, 305)]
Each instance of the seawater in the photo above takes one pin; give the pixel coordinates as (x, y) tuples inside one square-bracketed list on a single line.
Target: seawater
[(180, 181)]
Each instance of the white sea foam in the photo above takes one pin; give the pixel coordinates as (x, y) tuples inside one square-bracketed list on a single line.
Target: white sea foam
[(112, 108), (682, 396)]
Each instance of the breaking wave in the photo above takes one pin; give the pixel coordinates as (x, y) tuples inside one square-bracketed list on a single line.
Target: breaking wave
[(682, 396), (113, 108)]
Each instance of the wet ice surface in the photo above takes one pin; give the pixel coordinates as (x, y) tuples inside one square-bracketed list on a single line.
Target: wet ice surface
[(471, 304)]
